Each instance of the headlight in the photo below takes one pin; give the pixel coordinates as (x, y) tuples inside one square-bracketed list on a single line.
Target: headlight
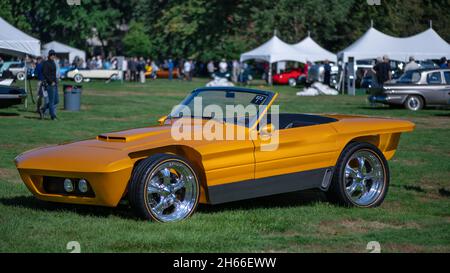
[(83, 186), (68, 185)]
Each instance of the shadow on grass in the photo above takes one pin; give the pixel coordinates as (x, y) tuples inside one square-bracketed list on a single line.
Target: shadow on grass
[(294, 199), (6, 114), (443, 114), (30, 202)]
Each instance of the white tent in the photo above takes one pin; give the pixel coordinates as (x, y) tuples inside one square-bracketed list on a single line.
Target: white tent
[(313, 51), (273, 51), (15, 42), (373, 44), (63, 49)]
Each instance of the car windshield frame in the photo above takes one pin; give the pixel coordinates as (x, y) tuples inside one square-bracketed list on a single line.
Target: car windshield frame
[(252, 122)]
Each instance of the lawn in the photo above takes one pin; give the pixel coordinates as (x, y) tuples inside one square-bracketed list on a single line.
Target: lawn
[(414, 218)]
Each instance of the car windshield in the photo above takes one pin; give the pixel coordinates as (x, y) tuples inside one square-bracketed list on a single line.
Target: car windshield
[(228, 105), (409, 77)]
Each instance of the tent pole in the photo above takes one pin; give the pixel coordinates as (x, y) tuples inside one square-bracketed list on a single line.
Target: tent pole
[(26, 84), (270, 74)]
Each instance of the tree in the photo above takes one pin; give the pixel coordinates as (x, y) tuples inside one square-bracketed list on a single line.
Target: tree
[(136, 41)]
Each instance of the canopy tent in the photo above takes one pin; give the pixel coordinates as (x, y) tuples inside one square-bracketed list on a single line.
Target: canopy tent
[(60, 48), (15, 42), (273, 51), (373, 44), (314, 51)]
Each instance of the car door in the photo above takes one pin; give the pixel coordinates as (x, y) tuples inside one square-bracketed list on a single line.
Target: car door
[(446, 93), (435, 88), (299, 150)]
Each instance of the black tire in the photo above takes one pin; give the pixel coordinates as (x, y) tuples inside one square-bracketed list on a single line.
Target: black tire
[(140, 179), (337, 193), (414, 103), (292, 82)]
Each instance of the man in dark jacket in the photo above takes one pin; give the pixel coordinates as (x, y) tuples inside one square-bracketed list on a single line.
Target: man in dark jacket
[(50, 80), (382, 70)]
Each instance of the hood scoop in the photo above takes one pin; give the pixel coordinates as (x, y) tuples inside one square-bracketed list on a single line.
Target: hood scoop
[(131, 135), (111, 138)]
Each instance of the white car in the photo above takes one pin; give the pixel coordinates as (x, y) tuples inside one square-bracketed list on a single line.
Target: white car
[(79, 75)]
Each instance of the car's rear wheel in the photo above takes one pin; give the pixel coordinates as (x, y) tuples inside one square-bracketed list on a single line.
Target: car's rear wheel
[(78, 78), (164, 188), (414, 103), (292, 82), (361, 178)]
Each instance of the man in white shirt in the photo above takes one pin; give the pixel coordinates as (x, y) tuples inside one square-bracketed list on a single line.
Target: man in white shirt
[(412, 65), (187, 70), (223, 66)]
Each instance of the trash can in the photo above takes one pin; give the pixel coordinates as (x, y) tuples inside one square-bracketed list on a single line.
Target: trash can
[(72, 97)]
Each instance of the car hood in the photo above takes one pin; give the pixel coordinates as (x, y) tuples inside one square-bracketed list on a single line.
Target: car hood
[(106, 153)]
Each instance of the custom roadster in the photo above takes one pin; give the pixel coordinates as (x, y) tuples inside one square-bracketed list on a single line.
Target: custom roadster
[(164, 176)]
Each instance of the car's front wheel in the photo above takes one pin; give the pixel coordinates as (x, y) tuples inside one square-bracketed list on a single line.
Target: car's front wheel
[(361, 178), (21, 76), (164, 188), (414, 103)]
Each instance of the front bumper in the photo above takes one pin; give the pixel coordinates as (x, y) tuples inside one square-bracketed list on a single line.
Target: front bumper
[(108, 188)]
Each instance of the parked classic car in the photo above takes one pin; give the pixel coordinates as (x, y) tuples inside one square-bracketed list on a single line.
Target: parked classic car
[(164, 73), (317, 74), (415, 90), (16, 68), (11, 95), (291, 77), (164, 177), (78, 75)]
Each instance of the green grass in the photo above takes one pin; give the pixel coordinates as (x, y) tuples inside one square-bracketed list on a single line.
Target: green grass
[(414, 218)]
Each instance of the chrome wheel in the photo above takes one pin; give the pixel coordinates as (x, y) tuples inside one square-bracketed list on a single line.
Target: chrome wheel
[(78, 78), (364, 178), (414, 103), (171, 191), (292, 82), (21, 76)]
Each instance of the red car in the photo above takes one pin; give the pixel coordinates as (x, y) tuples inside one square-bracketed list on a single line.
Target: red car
[(291, 77)]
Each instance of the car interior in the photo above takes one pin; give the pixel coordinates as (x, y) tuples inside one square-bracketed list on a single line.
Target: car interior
[(290, 121)]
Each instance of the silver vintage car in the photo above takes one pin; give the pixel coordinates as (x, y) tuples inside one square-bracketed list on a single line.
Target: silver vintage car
[(415, 90)]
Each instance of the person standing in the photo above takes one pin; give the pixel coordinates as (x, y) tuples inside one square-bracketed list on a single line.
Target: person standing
[(50, 81), (192, 71), (211, 68), (223, 66), (235, 71), (187, 70), (40, 83), (170, 67), (327, 74), (141, 69), (132, 67), (443, 64), (382, 70), (412, 65)]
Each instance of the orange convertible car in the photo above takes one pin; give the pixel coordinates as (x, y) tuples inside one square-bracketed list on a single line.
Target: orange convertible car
[(164, 177)]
